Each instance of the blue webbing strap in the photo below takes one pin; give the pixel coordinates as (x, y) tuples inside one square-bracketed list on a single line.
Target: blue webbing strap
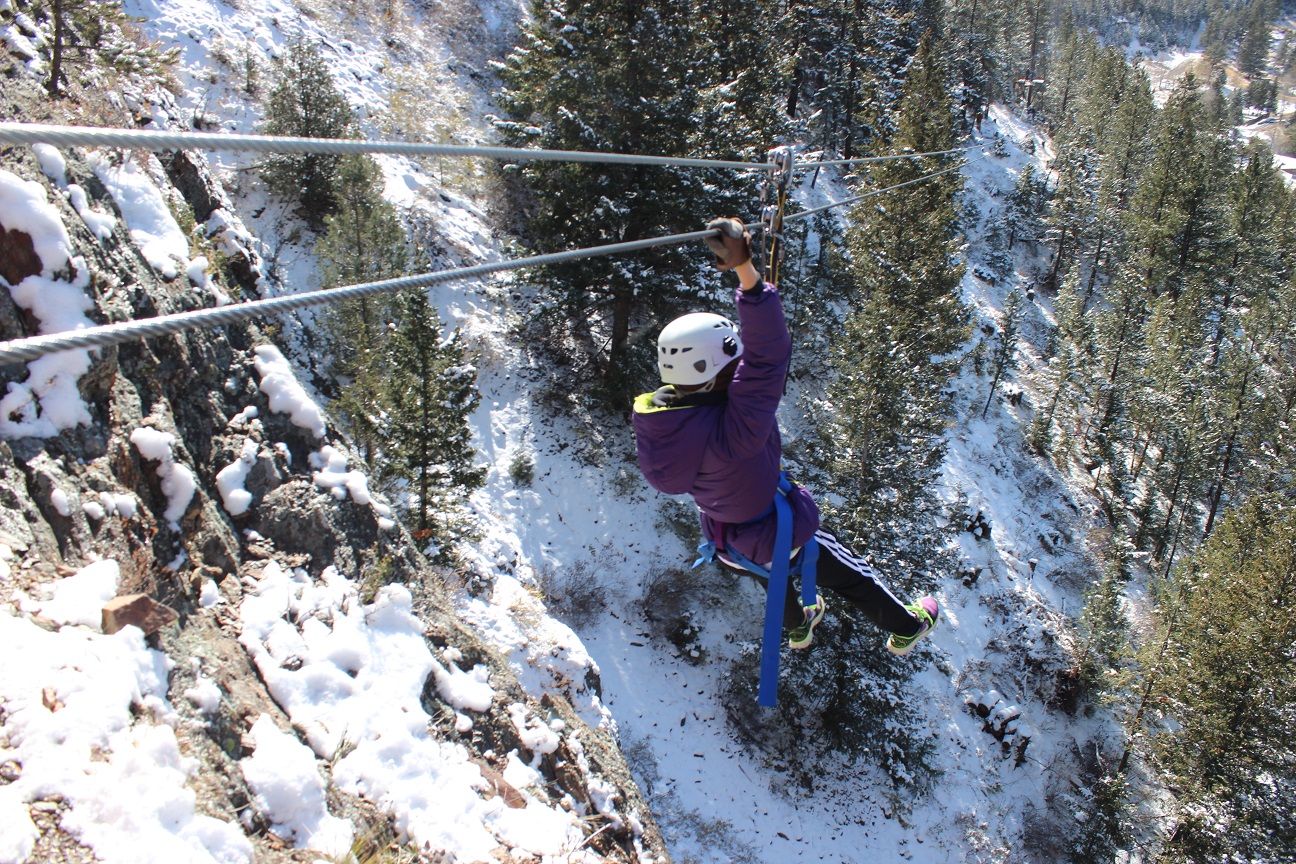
[(776, 592), (772, 641)]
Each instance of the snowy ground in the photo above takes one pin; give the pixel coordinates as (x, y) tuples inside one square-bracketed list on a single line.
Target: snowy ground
[(592, 515)]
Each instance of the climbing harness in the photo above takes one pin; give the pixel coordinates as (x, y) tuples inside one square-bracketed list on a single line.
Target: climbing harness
[(781, 569)]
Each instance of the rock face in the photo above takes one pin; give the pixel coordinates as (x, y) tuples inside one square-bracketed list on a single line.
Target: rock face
[(90, 493)]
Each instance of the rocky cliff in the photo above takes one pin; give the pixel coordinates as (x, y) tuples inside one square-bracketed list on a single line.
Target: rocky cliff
[(171, 431)]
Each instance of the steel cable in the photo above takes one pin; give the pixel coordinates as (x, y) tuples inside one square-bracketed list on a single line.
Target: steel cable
[(32, 348), (146, 139)]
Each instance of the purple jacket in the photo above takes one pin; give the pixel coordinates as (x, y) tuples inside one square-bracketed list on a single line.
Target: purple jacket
[(726, 455)]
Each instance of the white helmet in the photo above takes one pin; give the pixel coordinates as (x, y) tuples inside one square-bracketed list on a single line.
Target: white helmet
[(693, 348)]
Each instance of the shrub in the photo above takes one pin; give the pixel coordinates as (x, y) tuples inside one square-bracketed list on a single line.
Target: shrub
[(522, 467), (574, 593)]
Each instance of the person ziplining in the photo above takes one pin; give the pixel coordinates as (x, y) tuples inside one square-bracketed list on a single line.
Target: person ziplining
[(710, 431)]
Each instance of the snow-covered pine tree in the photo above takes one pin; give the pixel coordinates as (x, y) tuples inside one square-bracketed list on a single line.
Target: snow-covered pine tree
[(742, 95), (1253, 53), (888, 398), (844, 57), (81, 28), (1002, 358), (1069, 368), (1178, 211), (1119, 106), (1069, 223), (1025, 207), (1242, 326)]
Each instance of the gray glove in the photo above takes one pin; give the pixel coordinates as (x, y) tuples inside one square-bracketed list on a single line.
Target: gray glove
[(733, 247)]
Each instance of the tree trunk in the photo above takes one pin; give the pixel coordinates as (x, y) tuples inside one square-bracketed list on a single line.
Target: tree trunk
[(1174, 502), (56, 53), (1147, 694), (425, 458), (622, 305), (1217, 491)]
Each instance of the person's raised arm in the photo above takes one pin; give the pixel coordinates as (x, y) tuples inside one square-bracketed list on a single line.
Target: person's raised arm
[(757, 385)]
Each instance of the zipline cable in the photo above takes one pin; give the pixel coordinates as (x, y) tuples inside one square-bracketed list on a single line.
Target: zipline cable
[(856, 199), (147, 139), (34, 347), (863, 159), (24, 350)]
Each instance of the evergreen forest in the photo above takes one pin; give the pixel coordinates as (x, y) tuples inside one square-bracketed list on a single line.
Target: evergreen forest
[(1165, 242)]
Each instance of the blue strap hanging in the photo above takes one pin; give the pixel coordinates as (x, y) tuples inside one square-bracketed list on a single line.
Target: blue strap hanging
[(776, 593)]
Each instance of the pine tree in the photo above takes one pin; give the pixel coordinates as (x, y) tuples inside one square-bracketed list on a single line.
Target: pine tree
[(583, 81), (1178, 211), (1002, 358), (306, 103), (1070, 367), (98, 29), (1025, 206), (1070, 219), (428, 442), (1226, 684), (1123, 112), (363, 242), (1104, 630), (1253, 54), (740, 103), (888, 402)]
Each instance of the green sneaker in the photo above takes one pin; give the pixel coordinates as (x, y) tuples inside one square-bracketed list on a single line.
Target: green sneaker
[(928, 613), (802, 636)]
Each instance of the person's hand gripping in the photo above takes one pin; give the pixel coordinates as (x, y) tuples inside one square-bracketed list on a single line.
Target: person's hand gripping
[(732, 247)]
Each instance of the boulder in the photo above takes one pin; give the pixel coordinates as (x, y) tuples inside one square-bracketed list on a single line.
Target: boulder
[(140, 610)]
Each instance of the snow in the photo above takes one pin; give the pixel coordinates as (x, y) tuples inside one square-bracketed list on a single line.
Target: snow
[(52, 163), (210, 594), (152, 227), (48, 401), (205, 695), (59, 499), (349, 663), (178, 482), (286, 394), (289, 791), (465, 691), (350, 673), (334, 476), (230, 480), (71, 722), (121, 503), (80, 598), (101, 224)]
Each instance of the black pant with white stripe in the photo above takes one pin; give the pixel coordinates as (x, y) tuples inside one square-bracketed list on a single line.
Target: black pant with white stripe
[(839, 570)]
